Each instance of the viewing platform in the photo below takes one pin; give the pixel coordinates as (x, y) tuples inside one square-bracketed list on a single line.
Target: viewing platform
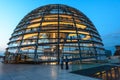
[(41, 72)]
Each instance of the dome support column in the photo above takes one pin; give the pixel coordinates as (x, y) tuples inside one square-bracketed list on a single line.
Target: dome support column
[(78, 38), (58, 51), (37, 44)]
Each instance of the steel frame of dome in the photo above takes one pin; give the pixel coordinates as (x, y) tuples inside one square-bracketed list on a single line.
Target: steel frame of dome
[(52, 31)]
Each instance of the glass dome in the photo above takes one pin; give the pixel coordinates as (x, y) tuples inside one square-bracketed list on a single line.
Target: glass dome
[(52, 31)]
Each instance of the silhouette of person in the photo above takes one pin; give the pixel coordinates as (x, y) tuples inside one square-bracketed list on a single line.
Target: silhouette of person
[(61, 62), (66, 63)]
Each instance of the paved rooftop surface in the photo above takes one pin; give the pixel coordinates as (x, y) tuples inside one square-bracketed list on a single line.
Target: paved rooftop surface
[(39, 72)]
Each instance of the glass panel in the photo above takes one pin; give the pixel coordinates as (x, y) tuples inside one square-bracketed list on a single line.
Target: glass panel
[(30, 36), (33, 25), (29, 49)]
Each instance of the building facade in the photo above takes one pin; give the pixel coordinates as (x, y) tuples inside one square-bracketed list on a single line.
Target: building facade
[(117, 52), (52, 31)]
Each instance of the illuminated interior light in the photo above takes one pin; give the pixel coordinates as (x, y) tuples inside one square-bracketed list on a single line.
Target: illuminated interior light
[(29, 35), (65, 16), (77, 20), (86, 38), (72, 34), (51, 18), (53, 35), (19, 38), (90, 44), (34, 25), (48, 23), (81, 32), (70, 31), (103, 71), (26, 48), (61, 15), (72, 40), (35, 20), (98, 73), (80, 26), (68, 23), (53, 63)]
